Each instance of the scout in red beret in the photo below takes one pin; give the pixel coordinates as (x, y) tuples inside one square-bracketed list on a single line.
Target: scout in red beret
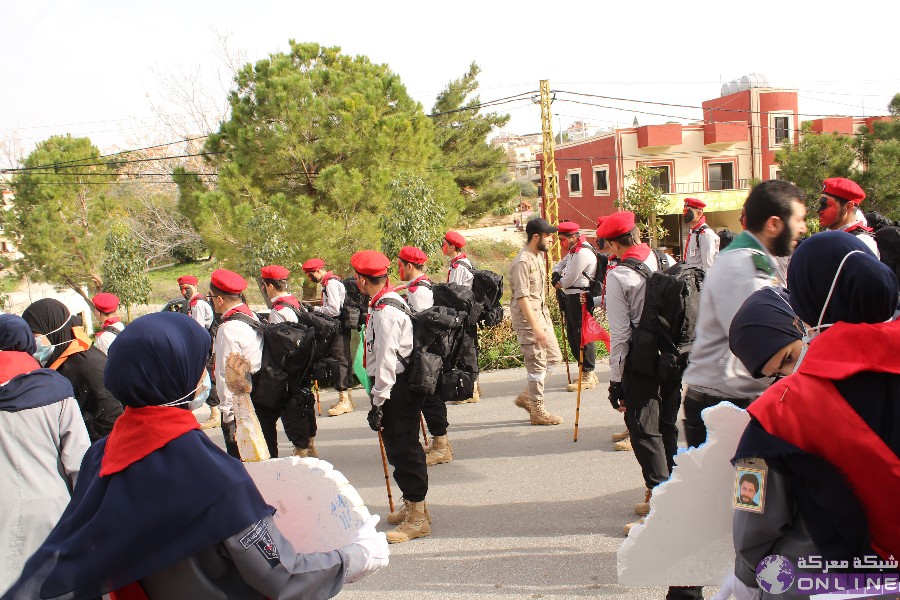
[(370, 263), (568, 227), (413, 255), (188, 280), (455, 239), (105, 302), (615, 225), (694, 203), (313, 264), (837, 205), (274, 272), (228, 282)]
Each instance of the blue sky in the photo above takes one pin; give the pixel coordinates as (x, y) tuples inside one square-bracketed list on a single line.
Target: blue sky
[(92, 68)]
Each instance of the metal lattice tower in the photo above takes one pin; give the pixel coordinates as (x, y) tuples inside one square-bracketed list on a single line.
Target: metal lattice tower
[(551, 181)]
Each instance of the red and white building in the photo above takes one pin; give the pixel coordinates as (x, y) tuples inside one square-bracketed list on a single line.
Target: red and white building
[(714, 159)]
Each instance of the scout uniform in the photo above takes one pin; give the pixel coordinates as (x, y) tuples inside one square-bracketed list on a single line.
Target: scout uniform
[(198, 308), (837, 192), (389, 342), (462, 273), (332, 302), (577, 269), (460, 269), (285, 305), (107, 304), (528, 279), (702, 244)]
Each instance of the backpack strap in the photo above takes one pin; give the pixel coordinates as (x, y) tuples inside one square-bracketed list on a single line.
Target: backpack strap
[(460, 263), (239, 316), (282, 304), (110, 329), (637, 265), (700, 230), (401, 306)]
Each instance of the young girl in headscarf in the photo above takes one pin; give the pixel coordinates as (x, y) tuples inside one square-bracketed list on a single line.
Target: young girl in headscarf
[(827, 437), (161, 512), (64, 347)]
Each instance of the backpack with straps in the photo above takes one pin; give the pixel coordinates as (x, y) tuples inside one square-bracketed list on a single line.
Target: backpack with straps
[(356, 305), (663, 338), (288, 353), (487, 290), (437, 340), (326, 330)]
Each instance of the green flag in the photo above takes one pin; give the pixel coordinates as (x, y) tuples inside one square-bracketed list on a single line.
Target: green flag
[(358, 369)]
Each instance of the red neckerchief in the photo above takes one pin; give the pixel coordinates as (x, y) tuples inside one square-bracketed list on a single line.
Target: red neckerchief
[(578, 246), (140, 431), (858, 226), (110, 321), (804, 408), (638, 251), (387, 288), (414, 284), (695, 231), (287, 299), (14, 363), (240, 308), (197, 297)]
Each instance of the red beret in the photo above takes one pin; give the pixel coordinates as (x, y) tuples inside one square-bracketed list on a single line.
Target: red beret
[(105, 302), (455, 239), (694, 203), (413, 255), (313, 264), (188, 280), (274, 272), (228, 281), (568, 227), (370, 262), (844, 189), (615, 225)]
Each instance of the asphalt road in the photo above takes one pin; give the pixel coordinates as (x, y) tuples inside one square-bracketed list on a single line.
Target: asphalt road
[(521, 512)]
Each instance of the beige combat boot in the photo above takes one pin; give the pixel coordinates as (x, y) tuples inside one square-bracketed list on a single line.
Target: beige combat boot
[(343, 405), (540, 416), (631, 526), (440, 452), (642, 509), (399, 515), (624, 445), (523, 401), (416, 524), (588, 382), (313, 452), (618, 437), (214, 420)]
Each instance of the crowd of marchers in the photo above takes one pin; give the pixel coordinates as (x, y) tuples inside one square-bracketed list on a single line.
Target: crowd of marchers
[(113, 488)]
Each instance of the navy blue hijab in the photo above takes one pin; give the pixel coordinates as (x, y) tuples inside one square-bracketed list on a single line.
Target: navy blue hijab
[(36, 388), (763, 325), (176, 501), (864, 292)]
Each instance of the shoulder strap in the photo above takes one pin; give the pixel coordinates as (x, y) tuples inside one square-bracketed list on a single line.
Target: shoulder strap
[(239, 316), (638, 266), (283, 304), (398, 304), (110, 329), (460, 263), (661, 259), (761, 262)]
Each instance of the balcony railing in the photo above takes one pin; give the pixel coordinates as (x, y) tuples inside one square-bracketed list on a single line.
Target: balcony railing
[(699, 186)]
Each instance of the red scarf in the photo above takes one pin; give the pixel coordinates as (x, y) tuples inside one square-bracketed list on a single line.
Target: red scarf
[(858, 226), (197, 297), (140, 431), (694, 231), (578, 245), (638, 251), (414, 284), (805, 408), (454, 262), (14, 363), (240, 308), (287, 299), (110, 321)]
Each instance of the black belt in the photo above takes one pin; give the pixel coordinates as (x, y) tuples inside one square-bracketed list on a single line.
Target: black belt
[(712, 400)]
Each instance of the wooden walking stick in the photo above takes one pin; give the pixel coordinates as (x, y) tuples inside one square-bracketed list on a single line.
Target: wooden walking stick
[(578, 397), (422, 421), (562, 319), (318, 400), (387, 478)]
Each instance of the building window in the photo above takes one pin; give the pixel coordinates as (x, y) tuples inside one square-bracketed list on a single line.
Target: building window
[(775, 172), (780, 126), (574, 182), (601, 180), (661, 178), (721, 176)]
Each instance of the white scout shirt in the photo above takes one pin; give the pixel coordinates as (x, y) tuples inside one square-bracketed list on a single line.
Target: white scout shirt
[(235, 336), (333, 294), (104, 339), (388, 333), (577, 270), (419, 296), (866, 238), (701, 248), (458, 273), (282, 313), (201, 311)]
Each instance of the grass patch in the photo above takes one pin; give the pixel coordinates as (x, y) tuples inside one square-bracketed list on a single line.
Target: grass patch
[(164, 281)]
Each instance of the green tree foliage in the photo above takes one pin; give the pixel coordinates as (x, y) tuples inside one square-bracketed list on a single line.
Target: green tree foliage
[(412, 217), (61, 213), (645, 199), (461, 132), (315, 137), (125, 268)]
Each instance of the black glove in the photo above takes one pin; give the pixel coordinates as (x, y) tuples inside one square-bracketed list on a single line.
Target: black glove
[(615, 393), (374, 418), (554, 279)]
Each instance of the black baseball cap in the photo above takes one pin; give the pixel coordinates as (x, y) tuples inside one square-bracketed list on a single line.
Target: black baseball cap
[(539, 226)]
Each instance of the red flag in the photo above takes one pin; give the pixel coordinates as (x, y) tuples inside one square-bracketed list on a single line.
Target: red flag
[(591, 330)]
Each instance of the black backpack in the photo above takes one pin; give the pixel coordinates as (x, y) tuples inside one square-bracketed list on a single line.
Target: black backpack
[(663, 338), (726, 236), (326, 329), (437, 339), (487, 289), (288, 353), (888, 240), (356, 305)]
